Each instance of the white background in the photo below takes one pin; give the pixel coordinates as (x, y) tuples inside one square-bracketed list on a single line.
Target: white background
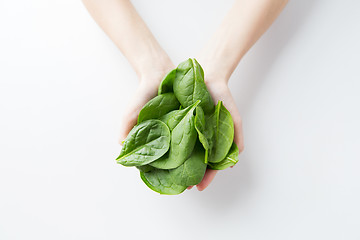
[(64, 86)]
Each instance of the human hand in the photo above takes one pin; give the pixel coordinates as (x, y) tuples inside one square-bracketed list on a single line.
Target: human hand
[(147, 89), (219, 90)]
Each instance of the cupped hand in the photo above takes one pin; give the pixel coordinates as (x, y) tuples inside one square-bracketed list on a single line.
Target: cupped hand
[(220, 91), (146, 90)]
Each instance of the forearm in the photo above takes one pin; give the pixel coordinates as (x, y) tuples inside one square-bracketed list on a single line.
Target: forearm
[(121, 22), (242, 27)]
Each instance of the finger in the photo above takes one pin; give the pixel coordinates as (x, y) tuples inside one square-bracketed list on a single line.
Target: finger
[(129, 119), (229, 103), (190, 187), (208, 177), (238, 136), (127, 123)]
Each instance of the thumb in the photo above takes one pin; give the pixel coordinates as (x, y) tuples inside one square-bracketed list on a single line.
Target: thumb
[(127, 123), (129, 119)]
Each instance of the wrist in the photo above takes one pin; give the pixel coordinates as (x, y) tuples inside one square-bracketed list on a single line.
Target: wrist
[(220, 86), (215, 78), (215, 71), (154, 68)]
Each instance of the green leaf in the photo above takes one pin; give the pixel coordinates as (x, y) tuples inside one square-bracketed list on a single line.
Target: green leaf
[(183, 138), (223, 135), (173, 118), (166, 84), (161, 181), (145, 143), (200, 126), (192, 171), (189, 86), (164, 145), (145, 168), (230, 160), (158, 106)]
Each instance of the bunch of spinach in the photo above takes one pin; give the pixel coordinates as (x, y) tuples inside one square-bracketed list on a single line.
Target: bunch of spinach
[(180, 133)]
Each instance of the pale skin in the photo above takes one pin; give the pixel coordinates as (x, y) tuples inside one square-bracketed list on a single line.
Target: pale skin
[(243, 25)]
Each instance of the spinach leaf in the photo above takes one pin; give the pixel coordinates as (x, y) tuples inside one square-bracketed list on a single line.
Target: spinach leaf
[(158, 106), (166, 84), (161, 181), (201, 129), (145, 168), (183, 138), (146, 142), (192, 171), (180, 133), (173, 118), (189, 86), (224, 133), (231, 159)]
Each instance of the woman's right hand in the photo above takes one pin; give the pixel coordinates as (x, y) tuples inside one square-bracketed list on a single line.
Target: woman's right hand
[(147, 89)]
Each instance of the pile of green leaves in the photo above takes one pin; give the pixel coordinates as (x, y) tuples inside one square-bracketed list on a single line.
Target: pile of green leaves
[(180, 133)]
